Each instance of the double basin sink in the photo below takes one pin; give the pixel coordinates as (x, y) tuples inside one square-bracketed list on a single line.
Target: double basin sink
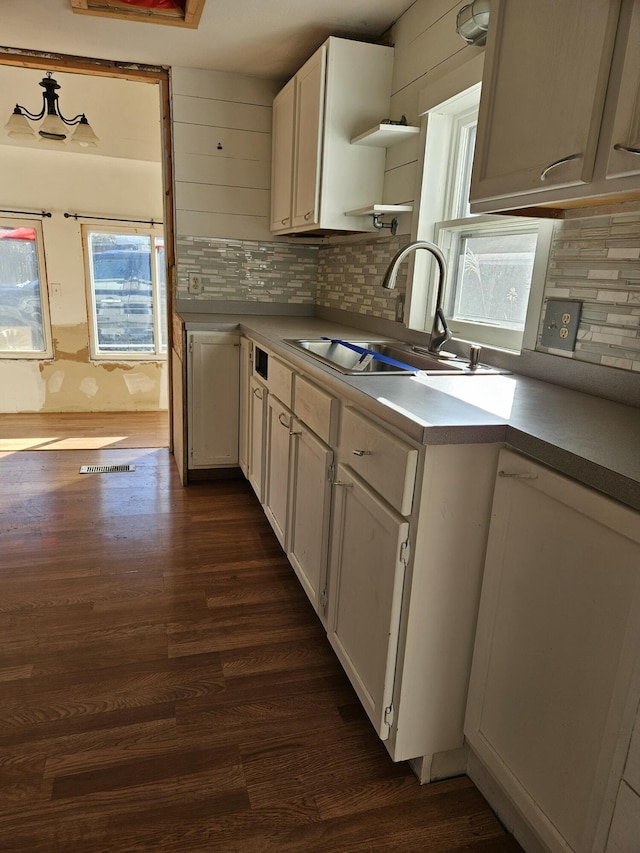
[(355, 358)]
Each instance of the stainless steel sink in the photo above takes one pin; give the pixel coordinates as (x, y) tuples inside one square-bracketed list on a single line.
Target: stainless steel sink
[(386, 358), (356, 357)]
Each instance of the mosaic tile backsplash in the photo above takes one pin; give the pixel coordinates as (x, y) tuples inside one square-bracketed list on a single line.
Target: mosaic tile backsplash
[(245, 271), (595, 259), (350, 277)]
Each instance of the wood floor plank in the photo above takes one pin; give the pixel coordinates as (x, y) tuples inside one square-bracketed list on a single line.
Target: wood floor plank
[(83, 430), (165, 685)]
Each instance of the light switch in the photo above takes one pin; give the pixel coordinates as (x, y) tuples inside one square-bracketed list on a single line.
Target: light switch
[(561, 321)]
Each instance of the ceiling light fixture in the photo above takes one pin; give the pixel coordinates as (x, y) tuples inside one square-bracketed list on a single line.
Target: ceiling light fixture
[(54, 125), (472, 22)]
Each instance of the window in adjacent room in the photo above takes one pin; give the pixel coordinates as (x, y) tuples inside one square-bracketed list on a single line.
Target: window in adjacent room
[(25, 331), (496, 264), (127, 293)]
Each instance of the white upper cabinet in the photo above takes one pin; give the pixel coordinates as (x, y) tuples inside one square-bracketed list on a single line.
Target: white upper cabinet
[(317, 174), (310, 90), (623, 151), (282, 157), (560, 90)]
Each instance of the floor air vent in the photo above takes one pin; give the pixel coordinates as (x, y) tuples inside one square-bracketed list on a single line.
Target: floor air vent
[(105, 469)]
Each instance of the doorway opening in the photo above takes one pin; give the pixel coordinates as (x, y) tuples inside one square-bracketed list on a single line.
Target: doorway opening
[(85, 386)]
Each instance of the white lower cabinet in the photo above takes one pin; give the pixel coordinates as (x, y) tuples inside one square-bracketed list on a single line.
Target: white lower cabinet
[(387, 539), (213, 400), (554, 684), (369, 552), (310, 504), (256, 419), (277, 465)]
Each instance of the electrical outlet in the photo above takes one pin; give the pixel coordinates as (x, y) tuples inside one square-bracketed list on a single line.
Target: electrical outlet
[(561, 321), (400, 308), (195, 282)]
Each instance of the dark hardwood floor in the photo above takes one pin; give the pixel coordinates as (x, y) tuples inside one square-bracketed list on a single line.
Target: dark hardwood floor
[(165, 685)]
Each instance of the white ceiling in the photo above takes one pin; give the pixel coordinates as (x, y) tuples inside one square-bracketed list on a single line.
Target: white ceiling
[(264, 38)]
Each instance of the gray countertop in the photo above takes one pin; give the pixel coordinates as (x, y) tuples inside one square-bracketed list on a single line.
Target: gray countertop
[(593, 440)]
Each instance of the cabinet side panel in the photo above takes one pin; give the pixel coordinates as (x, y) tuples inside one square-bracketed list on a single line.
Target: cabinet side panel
[(358, 95), (178, 399), (446, 574)]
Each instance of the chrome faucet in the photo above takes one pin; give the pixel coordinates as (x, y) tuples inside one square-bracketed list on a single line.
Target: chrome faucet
[(440, 333)]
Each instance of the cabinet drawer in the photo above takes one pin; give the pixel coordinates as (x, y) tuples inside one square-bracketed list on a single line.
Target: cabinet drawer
[(317, 409), (280, 382), (387, 463)]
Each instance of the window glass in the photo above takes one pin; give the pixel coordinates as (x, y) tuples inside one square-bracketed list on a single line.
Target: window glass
[(128, 293), (23, 312), (491, 278)]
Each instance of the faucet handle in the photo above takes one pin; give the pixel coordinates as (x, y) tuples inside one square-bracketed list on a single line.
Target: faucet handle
[(439, 338)]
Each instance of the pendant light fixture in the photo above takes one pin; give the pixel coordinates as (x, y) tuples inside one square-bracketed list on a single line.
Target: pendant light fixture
[(54, 127)]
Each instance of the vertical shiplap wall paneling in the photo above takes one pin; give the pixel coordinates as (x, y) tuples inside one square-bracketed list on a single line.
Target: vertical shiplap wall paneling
[(426, 46), (222, 150)]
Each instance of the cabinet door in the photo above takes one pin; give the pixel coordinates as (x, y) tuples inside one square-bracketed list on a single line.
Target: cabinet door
[(309, 513), (366, 578), (545, 78), (282, 140), (552, 692), (309, 126), (255, 446), (276, 479), (246, 365), (213, 388), (624, 141)]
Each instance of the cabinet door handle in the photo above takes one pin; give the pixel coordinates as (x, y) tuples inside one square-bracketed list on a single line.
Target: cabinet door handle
[(258, 393), (307, 216), (285, 422), (295, 432), (285, 221), (362, 453), (629, 148), (343, 484), (545, 172), (525, 475)]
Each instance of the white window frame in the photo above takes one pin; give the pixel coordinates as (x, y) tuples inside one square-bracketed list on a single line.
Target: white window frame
[(47, 352), (153, 233), (445, 109)]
